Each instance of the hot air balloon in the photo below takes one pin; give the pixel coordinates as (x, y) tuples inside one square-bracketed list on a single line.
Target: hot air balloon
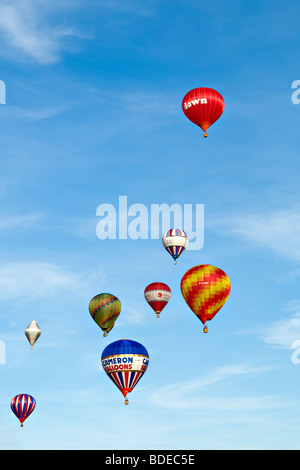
[(32, 332), (175, 242), (125, 362), (157, 295), (105, 309), (22, 406), (205, 289), (203, 106)]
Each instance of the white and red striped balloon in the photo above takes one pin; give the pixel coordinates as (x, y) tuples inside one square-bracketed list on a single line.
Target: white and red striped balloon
[(157, 295)]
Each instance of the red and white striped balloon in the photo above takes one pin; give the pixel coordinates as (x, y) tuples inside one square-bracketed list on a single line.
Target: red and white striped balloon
[(157, 295)]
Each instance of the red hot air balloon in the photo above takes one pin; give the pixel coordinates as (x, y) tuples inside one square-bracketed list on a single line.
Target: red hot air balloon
[(203, 106), (157, 295)]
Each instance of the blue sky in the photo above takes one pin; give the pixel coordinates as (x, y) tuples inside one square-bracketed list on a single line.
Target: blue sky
[(93, 111)]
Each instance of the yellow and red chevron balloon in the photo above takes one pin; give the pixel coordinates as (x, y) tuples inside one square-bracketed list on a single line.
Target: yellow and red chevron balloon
[(105, 309), (205, 289)]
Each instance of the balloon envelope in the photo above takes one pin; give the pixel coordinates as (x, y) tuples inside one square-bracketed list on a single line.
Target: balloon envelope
[(125, 362), (22, 406), (33, 332), (205, 288), (175, 242), (203, 106), (105, 309), (157, 295)]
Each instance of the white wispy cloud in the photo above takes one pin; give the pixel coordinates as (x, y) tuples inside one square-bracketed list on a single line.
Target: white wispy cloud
[(34, 114), (16, 221), (282, 334), (37, 29), (277, 231), (186, 395), (29, 280), (25, 30)]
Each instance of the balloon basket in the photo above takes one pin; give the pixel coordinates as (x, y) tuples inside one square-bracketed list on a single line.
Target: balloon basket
[(157, 315), (205, 329), (126, 401), (205, 134)]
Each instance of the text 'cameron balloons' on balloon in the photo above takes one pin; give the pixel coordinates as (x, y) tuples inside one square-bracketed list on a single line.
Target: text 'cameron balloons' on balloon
[(105, 309), (22, 405), (157, 295), (205, 289), (203, 106), (175, 242), (125, 361), (33, 332)]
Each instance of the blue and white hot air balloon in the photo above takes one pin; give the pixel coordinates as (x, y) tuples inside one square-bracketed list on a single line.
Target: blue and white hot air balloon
[(125, 362), (175, 242)]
